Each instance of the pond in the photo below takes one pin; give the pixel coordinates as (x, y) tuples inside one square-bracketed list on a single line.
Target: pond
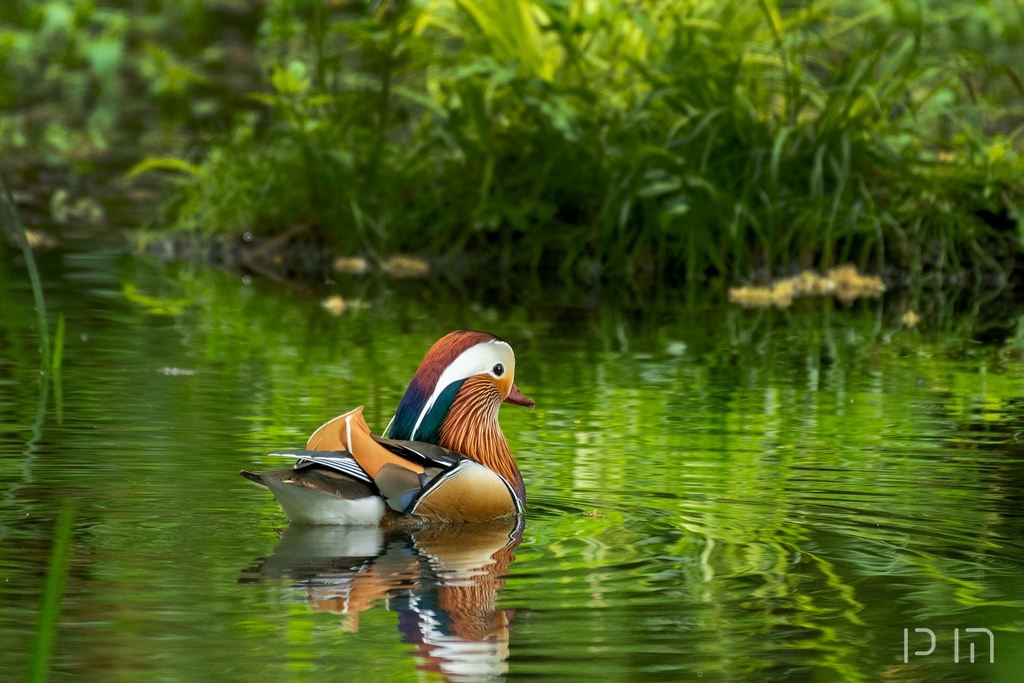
[(714, 494)]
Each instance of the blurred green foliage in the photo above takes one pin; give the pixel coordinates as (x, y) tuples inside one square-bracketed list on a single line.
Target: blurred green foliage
[(83, 82), (601, 138)]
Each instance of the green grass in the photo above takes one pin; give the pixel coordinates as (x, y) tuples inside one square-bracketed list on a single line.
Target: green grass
[(89, 86), (37, 285), (681, 137), (52, 596)]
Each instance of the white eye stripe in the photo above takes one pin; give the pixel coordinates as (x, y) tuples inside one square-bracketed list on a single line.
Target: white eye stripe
[(476, 360)]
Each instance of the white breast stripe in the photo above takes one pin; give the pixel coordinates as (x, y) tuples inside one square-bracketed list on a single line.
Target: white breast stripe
[(515, 498)]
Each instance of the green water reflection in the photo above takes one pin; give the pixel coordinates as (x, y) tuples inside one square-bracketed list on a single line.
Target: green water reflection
[(713, 494)]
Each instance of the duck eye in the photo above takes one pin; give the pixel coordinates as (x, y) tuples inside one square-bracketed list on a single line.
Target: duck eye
[(499, 370)]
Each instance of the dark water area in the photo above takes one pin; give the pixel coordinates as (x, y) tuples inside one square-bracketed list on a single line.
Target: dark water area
[(714, 494)]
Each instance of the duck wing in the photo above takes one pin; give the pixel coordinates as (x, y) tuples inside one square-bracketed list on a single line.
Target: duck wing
[(399, 485), (339, 461), (338, 483), (426, 454), (412, 477), (402, 471)]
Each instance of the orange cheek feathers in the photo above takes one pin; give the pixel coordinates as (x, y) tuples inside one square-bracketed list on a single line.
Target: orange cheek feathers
[(504, 385)]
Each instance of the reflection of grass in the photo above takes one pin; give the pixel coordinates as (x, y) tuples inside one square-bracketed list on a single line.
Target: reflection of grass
[(809, 454), (748, 509), (53, 592), (154, 305)]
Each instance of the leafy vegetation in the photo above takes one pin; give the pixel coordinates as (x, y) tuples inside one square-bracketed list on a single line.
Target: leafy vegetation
[(87, 84), (679, 137)]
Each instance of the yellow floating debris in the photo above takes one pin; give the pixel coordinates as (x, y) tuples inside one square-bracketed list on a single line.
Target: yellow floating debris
[(751, 297), (351, 265), (37, 239), (780, 295), (783, 292), (852, 285), (845, 282), (336, 305), (910, 319), (407, 267), (809, 283)]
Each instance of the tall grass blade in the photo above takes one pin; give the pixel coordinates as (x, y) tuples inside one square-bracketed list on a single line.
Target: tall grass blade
[(33, 273), (53, 593)]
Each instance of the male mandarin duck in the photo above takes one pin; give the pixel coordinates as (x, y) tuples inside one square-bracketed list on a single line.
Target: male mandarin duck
[(445, 457)]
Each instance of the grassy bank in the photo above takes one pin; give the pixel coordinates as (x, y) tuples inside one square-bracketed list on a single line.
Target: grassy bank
[(678, 138)]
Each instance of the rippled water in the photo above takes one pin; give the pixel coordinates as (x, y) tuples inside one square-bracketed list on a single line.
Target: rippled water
[(713, 494)]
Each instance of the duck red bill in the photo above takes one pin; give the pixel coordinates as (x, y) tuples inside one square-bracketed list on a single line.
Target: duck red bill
[(517, 397)]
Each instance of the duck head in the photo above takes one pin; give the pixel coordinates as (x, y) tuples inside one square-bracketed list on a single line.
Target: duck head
[(454, 397), (463, 367)]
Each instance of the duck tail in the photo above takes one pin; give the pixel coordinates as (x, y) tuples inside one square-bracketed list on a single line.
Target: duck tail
[(253, 477)]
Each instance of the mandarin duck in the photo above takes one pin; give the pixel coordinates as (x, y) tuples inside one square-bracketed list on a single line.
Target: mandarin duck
[(444, 457)]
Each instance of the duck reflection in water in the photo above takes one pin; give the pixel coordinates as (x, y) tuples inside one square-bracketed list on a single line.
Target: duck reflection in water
[(442, 581)]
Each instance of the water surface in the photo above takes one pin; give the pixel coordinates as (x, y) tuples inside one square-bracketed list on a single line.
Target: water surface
[(713, 494)]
